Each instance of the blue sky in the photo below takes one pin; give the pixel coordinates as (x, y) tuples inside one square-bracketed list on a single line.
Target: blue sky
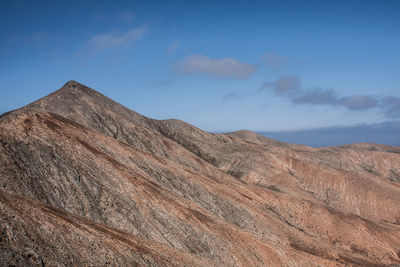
[(220, 65)]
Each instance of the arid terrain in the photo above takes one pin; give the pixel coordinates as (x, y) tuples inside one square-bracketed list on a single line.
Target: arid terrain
[(86, 181)]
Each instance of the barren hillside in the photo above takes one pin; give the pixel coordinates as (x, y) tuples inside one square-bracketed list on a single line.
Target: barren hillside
[(86, 181)]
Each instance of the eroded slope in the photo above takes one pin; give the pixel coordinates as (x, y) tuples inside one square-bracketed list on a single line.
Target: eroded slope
[(91, 172)]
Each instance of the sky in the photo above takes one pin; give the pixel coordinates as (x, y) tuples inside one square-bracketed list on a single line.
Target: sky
[(220, 65)]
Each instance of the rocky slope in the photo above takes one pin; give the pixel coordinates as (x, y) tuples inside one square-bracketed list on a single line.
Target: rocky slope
[(86, 181)]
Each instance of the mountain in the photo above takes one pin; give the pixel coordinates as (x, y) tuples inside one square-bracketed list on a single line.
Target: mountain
[(382, 133), (86, 181)]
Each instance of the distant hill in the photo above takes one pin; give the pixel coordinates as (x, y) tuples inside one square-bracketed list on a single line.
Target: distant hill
[(387, 133)]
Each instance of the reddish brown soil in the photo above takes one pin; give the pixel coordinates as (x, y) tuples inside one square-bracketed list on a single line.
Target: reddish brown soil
[(86, 181)]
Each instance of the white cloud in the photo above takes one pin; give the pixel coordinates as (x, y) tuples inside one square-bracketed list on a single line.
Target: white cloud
[(106, 41), (222, 67)]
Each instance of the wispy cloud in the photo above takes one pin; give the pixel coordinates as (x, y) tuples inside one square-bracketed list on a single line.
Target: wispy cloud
[(172, 48), (290, 86), (317, 96), (236, 96), (160, 83), (218, 68), (391, 106), (274, 61), (322, 96), (126, 16), (359, 102), (285, 85), (104, 41)]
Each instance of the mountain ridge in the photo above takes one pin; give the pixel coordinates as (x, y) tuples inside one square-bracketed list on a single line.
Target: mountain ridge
[(381, 133), (85, 165)]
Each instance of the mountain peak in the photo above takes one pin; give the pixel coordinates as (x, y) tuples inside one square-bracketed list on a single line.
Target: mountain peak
[(72, 93), (76, 86), (87, 106), (72, 83)]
